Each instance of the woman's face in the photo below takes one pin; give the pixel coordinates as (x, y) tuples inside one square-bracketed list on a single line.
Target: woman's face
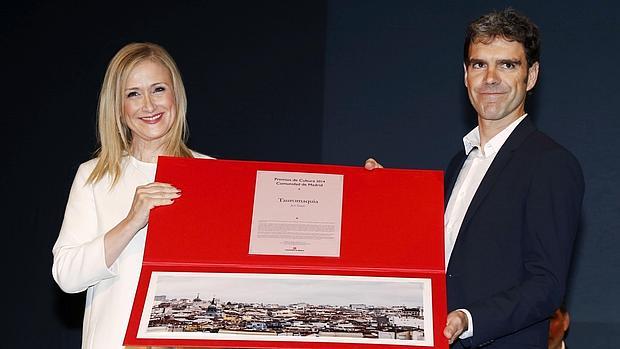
[(148, 103)]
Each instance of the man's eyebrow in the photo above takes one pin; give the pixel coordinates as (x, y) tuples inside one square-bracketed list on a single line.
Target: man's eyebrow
[(514, 61)]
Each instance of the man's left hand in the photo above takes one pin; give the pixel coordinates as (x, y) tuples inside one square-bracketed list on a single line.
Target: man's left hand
[(455, 325)]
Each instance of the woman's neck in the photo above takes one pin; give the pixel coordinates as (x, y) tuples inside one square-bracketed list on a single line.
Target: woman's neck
[(146, 152)]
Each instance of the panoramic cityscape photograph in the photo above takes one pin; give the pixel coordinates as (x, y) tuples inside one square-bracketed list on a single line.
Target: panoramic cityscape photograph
[(288, 307)]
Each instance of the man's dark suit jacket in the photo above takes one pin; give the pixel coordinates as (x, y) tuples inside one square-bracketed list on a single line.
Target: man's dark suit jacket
[(511, 258)]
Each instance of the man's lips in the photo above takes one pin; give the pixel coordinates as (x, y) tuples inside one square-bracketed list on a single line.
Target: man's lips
[(492, 95), (491, 92)]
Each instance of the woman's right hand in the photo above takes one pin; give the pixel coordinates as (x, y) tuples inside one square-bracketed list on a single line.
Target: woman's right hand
[(146, 197)]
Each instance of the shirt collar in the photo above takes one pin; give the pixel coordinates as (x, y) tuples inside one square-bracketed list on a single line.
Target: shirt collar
[(472, 139)]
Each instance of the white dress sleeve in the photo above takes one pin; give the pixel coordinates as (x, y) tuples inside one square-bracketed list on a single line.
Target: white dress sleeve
[(79, 255)]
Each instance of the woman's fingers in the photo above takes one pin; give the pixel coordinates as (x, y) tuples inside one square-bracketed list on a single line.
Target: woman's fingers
[(154, 194), (157, 188), (149, 196)]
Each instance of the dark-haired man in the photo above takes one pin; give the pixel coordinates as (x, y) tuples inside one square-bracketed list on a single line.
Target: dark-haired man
[(513, 199)]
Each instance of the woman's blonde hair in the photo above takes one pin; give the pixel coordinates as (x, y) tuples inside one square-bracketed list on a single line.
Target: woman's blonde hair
[(113, 134)]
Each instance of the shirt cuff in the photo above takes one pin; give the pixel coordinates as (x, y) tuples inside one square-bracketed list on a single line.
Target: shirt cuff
[(470, 325)]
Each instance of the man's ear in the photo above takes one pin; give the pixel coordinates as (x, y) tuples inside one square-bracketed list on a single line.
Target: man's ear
[(532, 75), (465, 74)]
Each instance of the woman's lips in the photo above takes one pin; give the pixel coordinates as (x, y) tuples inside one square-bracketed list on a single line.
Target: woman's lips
[(152, 119)]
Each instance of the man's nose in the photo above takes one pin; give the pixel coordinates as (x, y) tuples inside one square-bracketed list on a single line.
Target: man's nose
[(491, 77)]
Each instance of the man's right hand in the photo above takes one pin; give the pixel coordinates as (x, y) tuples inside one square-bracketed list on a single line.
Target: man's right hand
[(371, 164)]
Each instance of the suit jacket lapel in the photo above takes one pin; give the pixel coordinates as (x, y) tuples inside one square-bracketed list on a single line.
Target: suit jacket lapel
[(520, 133)]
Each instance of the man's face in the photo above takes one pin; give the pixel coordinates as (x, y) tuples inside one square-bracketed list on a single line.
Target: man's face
[(497, 79)]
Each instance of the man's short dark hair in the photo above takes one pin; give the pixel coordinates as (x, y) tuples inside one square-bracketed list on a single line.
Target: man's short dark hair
[(507, 24)]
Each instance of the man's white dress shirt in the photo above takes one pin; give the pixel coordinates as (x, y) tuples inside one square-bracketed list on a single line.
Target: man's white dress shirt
[(475, 167)]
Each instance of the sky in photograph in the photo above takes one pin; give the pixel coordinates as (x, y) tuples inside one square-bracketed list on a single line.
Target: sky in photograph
[(289, 289)]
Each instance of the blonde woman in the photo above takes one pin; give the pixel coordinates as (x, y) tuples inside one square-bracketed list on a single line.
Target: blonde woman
[(141, 115)]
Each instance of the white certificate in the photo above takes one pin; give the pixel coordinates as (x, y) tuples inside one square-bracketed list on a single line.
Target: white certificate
[(297, 214)]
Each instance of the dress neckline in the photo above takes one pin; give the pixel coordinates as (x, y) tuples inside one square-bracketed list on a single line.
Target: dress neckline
[(146, 169), (140, 163)]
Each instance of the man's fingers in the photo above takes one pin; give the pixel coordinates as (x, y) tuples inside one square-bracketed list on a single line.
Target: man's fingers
[(451, 333), (371, 164), (447, 332), (456, 324)]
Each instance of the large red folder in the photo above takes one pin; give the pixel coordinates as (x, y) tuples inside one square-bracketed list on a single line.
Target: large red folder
[(392, 226)]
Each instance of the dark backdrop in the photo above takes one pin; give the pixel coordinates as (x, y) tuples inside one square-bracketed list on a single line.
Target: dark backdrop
[(300, 81), (253, 71)]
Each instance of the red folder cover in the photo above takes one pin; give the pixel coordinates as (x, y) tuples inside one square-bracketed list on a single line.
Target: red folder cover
[(392, 226)]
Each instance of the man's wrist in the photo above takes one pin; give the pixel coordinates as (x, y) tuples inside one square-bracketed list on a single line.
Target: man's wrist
[(469, 329)]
